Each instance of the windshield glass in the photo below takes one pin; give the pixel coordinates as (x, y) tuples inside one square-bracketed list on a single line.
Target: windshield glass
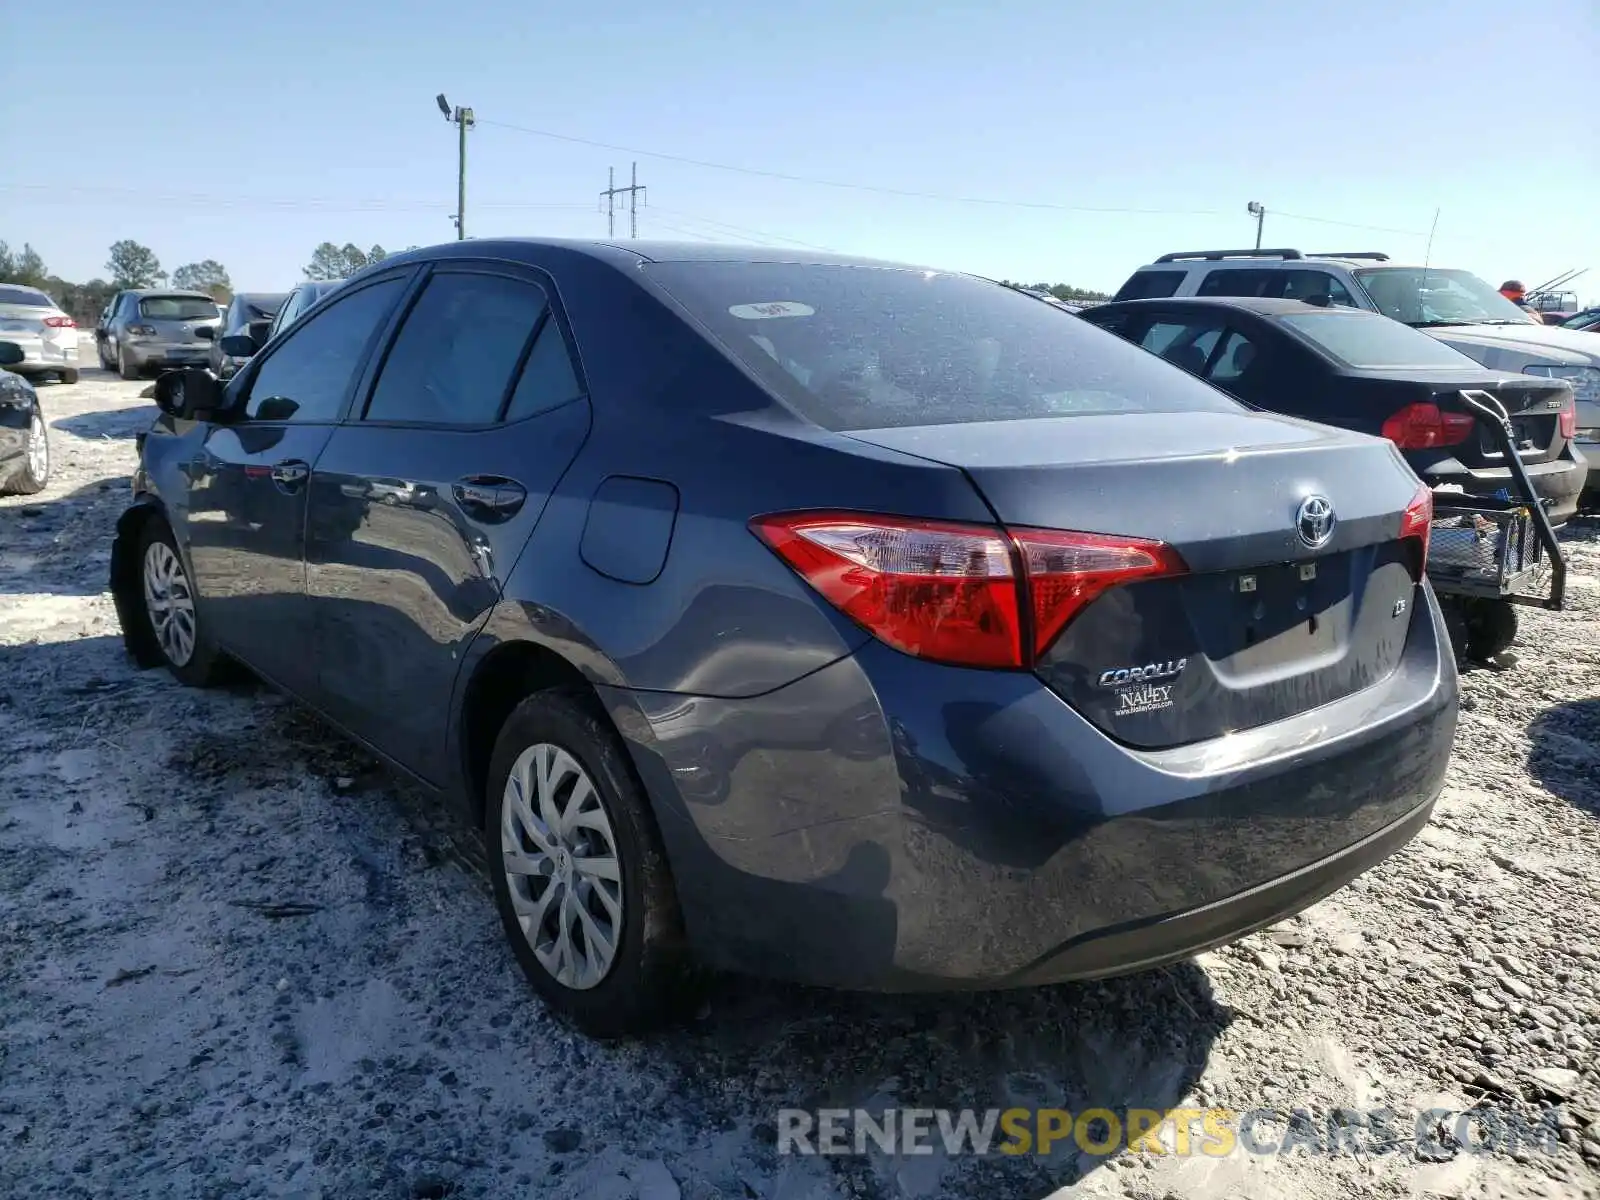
[(1366, 340), (1434, 296), (856, 347), (177, 308)]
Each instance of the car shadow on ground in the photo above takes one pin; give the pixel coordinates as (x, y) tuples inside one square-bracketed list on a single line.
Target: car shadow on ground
[(48, 540), (107, 423), (1565, 758)]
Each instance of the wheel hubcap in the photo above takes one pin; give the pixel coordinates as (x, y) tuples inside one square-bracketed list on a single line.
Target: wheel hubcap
[(170, 602), (38, 449), (561, 866)]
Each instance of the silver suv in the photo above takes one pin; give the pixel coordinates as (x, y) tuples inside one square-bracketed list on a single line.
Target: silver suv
[(1454, 306)]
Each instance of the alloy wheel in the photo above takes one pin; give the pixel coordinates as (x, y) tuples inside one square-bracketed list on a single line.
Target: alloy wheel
[(561, 866), (169, 600), (38, 449)]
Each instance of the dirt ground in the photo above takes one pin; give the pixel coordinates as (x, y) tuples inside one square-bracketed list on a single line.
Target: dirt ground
[(237, 959)]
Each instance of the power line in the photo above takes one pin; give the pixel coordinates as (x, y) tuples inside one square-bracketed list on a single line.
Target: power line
[(835, 183), (313, 203), (745, 230)]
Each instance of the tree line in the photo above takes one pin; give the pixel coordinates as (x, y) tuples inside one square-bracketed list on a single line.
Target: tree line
[(1062, 291), (132, 265)]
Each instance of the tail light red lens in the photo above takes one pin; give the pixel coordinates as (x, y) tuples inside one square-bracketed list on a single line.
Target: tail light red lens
[(60, 322), (1417, 522), (1567, 418), (1425, 426), (970, 595), (1066, 571)]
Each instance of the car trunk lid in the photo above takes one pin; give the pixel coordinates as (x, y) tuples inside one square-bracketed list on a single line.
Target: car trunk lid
[(1263, 625)]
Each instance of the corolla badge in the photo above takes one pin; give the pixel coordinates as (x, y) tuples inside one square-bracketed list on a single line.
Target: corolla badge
[(1122, 676), (1314, 521)]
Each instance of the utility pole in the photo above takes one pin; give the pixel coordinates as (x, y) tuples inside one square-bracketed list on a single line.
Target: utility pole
[(462, 119), (1259, 212), (633, 191)]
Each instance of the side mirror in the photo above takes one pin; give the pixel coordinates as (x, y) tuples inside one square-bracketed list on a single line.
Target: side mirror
[(206, 332), (189, 394), (238, 345), (10, 354)]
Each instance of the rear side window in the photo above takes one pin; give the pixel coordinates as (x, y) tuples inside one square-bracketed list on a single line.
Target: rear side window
[(177, 308), (1150, 285), (865, 347), (458, 350), (548, 380), (1184, 343), (307, 377), (1315, 287), (1240, 282)]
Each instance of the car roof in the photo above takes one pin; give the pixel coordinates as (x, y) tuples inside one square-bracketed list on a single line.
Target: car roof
[(251, 297), (634, 252)]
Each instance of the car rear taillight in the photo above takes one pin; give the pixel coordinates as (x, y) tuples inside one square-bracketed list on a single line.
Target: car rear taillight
[(1567, 418), (1066, 571), (1424, 426), (970, 595), (1417, 522), (60, 322), (142, 330)]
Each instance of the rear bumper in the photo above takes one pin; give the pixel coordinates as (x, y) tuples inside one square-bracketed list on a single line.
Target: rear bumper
[(42, 355), (167, 354), (888, 824)]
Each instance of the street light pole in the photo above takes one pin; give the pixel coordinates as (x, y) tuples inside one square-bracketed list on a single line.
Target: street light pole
[(462, 117), (1259, 212)]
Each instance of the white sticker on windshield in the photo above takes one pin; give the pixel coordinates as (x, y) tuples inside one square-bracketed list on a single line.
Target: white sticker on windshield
[(772, 308)]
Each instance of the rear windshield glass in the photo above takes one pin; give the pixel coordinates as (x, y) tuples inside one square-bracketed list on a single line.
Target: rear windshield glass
[(852, 347), (1366, 340), (177, 308), (21, 295)]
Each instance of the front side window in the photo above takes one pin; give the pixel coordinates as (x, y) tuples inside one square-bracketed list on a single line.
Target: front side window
[(455, 356), (867, 347), (308, 375)]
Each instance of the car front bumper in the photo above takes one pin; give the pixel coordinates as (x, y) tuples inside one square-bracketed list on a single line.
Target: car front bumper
[(889, 824)]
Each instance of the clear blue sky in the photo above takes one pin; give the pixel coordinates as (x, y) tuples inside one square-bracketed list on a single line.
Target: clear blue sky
[(251, 133)]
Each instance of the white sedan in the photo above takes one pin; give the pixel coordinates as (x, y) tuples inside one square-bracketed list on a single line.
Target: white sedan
[(48, 336)]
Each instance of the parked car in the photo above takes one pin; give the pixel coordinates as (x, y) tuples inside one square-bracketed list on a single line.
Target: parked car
[(301, 297), (24, 440), (867, 625), (248, 315), (1587, 319), (154, 328), (46, 335), (1362, 371), (1454, 306)]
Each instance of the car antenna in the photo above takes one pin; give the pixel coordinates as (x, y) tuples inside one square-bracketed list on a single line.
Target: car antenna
[(1427, 255)]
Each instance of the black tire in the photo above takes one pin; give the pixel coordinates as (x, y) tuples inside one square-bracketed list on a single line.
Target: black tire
[(1491, 628), (123, 368), (205, 664), (648, 981), (30, 478), (70, 375)]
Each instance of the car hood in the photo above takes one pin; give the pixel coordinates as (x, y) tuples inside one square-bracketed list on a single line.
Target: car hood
[(1572, 347)]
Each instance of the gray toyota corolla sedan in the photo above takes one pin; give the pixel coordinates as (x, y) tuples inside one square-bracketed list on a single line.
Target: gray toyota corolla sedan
[(854, 623)]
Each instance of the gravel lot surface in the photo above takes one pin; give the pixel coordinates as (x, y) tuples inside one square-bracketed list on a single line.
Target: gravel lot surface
[(237, 959)]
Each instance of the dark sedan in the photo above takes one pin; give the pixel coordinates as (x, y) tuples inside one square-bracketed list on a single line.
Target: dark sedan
[(867, 625), (1362, 371), (24, 441), (247, 319)]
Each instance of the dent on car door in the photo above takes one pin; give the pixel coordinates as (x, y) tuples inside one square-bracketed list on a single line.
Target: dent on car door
[(421, 504), (249, 480)]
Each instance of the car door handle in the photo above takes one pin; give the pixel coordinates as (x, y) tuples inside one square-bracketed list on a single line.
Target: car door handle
[(291, 474), (489, 497)]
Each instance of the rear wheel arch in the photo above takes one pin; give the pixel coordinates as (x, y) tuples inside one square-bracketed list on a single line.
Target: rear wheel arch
[(505, 677)]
